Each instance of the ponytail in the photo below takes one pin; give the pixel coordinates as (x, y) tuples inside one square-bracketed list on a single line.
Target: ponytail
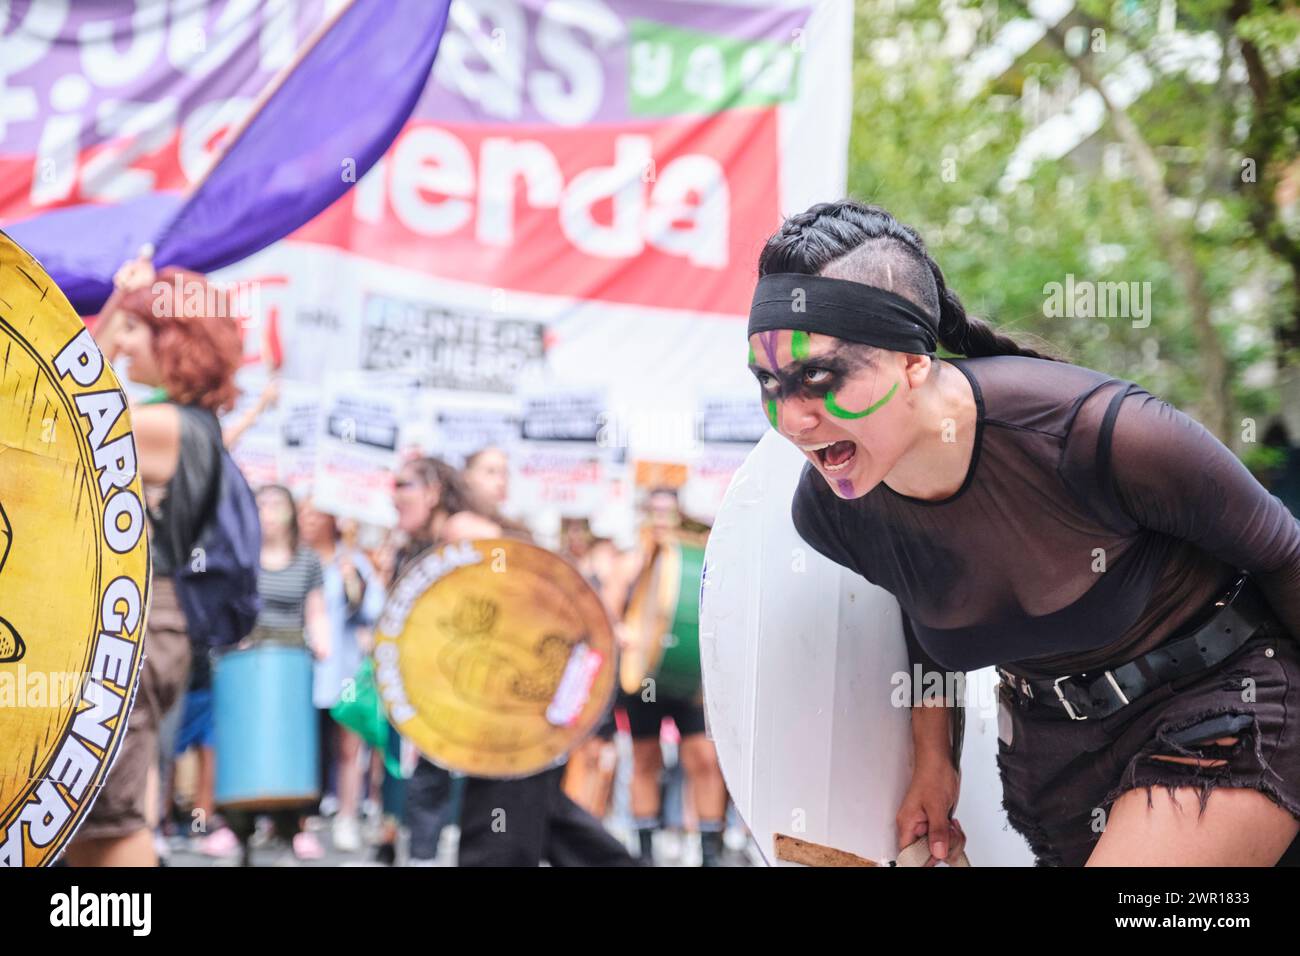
[(962, 334)]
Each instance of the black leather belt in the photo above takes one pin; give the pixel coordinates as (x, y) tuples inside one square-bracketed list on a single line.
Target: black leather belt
[(1241, 613)]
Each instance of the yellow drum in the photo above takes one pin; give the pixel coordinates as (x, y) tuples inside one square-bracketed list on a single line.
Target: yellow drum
[(74, 565), (494, 657)]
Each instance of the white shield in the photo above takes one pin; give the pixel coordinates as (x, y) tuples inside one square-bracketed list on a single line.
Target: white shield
[(803, 662)]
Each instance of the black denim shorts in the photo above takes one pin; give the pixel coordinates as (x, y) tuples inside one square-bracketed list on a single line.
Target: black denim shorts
[(1061, 776)]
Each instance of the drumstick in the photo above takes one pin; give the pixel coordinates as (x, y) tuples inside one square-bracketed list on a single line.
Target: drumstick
[(794, 850)]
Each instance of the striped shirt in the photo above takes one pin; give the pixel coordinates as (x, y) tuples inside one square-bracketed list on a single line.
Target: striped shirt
[(284, 592)]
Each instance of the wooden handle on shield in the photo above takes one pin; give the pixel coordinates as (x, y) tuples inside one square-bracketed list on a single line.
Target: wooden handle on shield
[(794, 850)]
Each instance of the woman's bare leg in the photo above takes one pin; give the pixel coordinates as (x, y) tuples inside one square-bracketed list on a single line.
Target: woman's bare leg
[(700, 762), (136, 849), (647, 765), (350, 771), (1240, 827), (581, 776), (205, 789)]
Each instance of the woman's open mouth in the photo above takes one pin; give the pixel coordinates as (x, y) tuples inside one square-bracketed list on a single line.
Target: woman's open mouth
[(835, 456)]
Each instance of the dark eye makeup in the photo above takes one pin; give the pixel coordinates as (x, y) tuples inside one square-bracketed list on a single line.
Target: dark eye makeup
[(827, 373)]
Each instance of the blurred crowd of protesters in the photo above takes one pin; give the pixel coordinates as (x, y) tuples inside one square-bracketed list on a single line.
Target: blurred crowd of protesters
[(322, 587)]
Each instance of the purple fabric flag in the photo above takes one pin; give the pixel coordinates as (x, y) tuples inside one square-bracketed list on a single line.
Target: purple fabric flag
[(328, 122)]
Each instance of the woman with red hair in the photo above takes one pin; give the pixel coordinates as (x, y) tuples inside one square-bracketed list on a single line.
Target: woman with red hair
[(175, 332)]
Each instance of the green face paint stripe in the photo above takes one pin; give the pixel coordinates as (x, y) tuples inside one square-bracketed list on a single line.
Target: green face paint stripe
[(751, 355), (838, 412), (771, 411), (799, 344)]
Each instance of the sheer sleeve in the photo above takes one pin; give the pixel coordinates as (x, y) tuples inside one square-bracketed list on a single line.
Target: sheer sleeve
[(1171, 475), (824, 533)]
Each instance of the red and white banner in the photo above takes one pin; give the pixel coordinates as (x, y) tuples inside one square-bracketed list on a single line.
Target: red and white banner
[(577, 201)]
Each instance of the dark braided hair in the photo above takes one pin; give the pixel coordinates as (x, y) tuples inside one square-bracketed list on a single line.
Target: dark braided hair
[(853, 240)]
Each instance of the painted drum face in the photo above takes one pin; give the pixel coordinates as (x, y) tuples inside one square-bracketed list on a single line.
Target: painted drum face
[(494, 657), (74, 565)]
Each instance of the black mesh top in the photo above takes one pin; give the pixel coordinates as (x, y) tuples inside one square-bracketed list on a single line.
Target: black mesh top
[(1094, 521)]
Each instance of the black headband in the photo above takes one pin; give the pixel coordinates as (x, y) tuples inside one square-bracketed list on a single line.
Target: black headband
[(843, 308)]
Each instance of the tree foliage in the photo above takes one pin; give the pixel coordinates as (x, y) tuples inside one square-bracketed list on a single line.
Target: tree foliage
[(935, 148)]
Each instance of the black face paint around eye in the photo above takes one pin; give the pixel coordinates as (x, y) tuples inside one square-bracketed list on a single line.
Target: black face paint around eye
[(840, 364)]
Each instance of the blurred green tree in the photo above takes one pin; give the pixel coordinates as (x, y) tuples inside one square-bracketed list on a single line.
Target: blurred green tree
[(1046, 145)]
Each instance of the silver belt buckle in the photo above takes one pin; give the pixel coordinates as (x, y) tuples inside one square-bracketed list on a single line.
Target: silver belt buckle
[(1060, 695), (1110, 676)]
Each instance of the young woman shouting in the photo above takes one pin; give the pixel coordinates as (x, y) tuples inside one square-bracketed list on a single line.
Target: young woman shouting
[(1139, 590)]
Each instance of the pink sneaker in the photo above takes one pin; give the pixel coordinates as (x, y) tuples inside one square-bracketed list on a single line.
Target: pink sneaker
[(221, 843), (307, 847)]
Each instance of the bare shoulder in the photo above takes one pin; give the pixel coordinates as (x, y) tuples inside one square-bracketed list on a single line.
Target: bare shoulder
[(157, 431), (468, 526), (156, 420)]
